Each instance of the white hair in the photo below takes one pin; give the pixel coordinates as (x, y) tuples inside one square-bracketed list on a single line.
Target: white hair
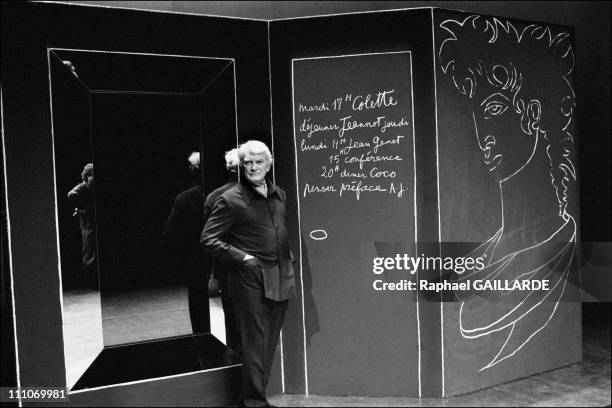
[(231, 159), (254, 147), (194, 159)]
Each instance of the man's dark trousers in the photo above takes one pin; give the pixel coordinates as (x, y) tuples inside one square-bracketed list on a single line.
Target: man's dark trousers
[(260, 322)]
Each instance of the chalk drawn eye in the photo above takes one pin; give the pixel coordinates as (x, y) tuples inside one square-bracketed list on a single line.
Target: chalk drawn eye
[(494, 108), (495, 105)]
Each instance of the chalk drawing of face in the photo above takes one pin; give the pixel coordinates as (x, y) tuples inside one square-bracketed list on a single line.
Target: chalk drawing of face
[(509, 74), (506, 148)]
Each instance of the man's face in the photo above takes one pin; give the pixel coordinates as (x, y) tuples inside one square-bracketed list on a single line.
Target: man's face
[(505, 147), (256, 167)]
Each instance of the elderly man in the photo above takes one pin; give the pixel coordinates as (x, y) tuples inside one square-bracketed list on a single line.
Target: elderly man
[(247, 228)]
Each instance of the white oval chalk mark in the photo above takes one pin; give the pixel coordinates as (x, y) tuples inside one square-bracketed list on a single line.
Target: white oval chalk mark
[(318, 234)]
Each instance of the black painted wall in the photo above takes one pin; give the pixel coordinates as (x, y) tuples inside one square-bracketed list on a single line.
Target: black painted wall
[(27, 30), (347, 35)]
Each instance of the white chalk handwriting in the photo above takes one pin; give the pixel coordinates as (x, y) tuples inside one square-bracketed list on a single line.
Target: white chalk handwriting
[(354, 144)]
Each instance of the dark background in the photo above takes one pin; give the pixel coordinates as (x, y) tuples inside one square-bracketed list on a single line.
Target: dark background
[(141, 145), (22, 65)]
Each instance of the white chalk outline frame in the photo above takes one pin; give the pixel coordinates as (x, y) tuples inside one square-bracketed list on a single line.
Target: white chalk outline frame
[(9, 247), (269, 20), (61, 302), (282, 355), (433, 39), (298, 199)]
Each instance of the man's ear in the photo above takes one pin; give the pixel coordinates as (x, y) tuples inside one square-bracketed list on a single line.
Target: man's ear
[(534, 112)]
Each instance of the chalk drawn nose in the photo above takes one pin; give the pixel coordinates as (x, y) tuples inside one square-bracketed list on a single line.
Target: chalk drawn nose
[(318, 234)]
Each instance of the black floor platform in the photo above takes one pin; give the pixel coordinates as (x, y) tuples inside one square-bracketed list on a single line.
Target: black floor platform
[(153, 359)]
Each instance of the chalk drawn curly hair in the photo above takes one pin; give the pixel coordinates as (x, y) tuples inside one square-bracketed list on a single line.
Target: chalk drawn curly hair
[(533, 64)]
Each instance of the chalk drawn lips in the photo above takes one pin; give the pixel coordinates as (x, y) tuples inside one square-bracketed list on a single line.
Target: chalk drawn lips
[(489, 143), (494, 162)]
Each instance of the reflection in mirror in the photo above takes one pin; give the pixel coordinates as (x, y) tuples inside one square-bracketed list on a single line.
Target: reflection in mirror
[(141, 141), (155, 127), (82, 313)]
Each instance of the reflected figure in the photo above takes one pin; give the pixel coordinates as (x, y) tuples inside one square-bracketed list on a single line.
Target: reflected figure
[(82, 197), (71, 67), (518, 86), (221, 269), (182, 232)]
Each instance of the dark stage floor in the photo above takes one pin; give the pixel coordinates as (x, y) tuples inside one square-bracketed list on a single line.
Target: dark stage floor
[(585, 384)]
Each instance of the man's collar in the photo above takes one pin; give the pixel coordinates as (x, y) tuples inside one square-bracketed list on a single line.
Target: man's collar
[(249, 192)]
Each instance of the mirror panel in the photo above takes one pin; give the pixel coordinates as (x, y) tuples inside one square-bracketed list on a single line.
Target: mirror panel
[(137, 118)]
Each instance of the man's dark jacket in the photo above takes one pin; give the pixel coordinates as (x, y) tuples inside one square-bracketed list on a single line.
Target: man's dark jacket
[(244, 222)]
